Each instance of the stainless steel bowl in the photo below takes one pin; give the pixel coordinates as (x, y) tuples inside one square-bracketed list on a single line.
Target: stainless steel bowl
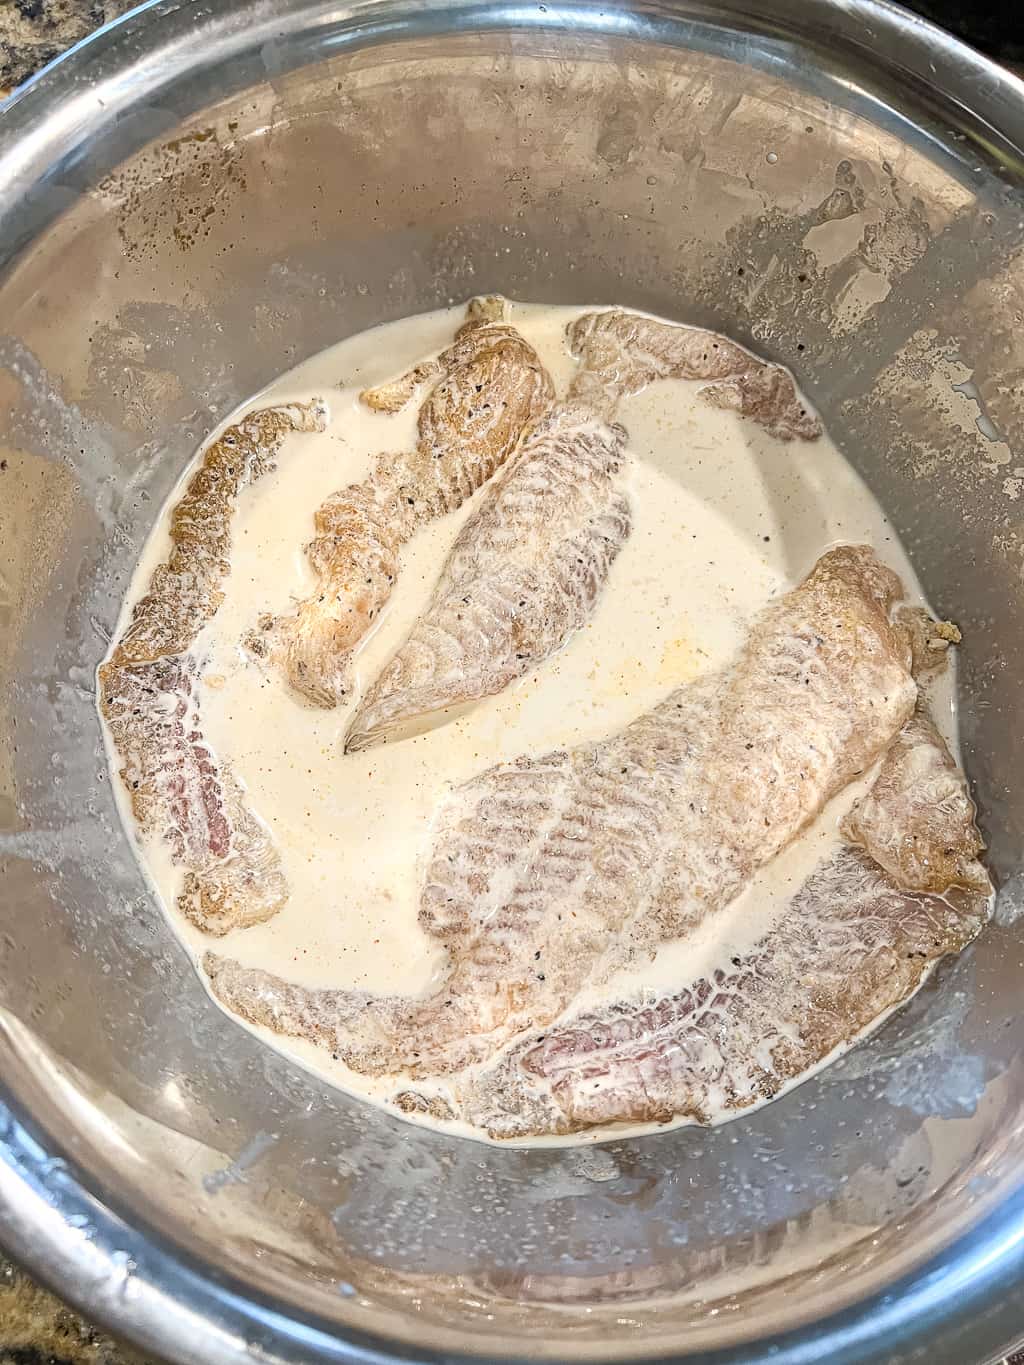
[(203, 195)]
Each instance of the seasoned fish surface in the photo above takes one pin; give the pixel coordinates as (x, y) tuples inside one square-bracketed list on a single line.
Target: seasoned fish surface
[(918, 820), (489, 389), (855, 941), (850, 947), (547, 873), (523, 575), (149, 691), (621, 353), (529, 566)]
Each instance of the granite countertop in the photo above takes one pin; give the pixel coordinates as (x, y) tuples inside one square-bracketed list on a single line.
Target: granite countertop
[(35, 1328), (33, 32)]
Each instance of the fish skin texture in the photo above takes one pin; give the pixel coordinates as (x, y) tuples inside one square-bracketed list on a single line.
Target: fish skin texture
[(530, 564), (849, 948), (918, 820), (856, 940), (622, 352), (149, 691), (524, 573), (548, 873), (489, 388)]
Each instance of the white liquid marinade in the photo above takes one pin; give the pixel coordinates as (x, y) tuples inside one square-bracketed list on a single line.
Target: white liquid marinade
[(725, 517)]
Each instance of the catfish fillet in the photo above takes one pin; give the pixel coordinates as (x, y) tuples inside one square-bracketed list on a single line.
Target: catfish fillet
[(856, 940), (621, 353), (529, 566), (524, 573), (547, 873), (149, 686), (489, 388)]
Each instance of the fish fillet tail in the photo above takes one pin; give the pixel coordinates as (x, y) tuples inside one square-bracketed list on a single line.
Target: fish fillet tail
[(621, 353), (488, 389), (522, 577), (148, 688)]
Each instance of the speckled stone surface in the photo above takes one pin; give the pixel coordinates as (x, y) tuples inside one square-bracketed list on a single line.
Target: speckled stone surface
[(33, 32), (35, 1328)]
